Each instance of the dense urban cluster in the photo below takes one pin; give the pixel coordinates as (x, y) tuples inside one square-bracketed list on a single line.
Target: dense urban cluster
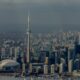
[(61, 50)]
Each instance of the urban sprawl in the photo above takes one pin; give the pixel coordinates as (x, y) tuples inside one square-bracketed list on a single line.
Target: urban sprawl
[(49, 53)]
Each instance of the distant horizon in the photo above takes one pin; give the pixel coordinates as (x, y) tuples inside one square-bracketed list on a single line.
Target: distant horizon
[(42, 28)]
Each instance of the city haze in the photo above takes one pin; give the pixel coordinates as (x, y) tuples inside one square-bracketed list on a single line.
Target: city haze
[(45, 15)]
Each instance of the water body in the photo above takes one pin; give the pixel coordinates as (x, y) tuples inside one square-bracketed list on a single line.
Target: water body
[(36, 78)]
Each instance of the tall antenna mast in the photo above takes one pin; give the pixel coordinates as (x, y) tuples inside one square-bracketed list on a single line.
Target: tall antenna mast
[(28, 39)]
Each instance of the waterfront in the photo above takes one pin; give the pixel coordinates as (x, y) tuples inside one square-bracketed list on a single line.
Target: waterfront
[(37, 78)]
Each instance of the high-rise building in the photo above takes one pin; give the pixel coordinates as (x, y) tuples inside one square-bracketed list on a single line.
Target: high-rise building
[(44, 55), (16, 52), (3, 52)]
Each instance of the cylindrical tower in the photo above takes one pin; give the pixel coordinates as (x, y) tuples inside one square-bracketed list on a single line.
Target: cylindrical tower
[(28, 40)]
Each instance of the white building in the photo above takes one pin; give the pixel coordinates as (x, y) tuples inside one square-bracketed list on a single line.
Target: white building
[(9, 65)]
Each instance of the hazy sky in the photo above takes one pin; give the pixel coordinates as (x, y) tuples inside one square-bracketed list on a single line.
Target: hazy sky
[(43, 13)]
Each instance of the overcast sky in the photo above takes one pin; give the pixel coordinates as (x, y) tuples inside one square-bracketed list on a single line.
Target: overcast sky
[(43, 13)]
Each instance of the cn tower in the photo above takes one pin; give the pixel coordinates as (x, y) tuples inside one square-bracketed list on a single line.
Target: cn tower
[(28, 39)]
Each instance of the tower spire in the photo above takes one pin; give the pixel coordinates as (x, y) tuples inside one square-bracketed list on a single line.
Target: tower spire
[(28, 21), (28, 37)]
